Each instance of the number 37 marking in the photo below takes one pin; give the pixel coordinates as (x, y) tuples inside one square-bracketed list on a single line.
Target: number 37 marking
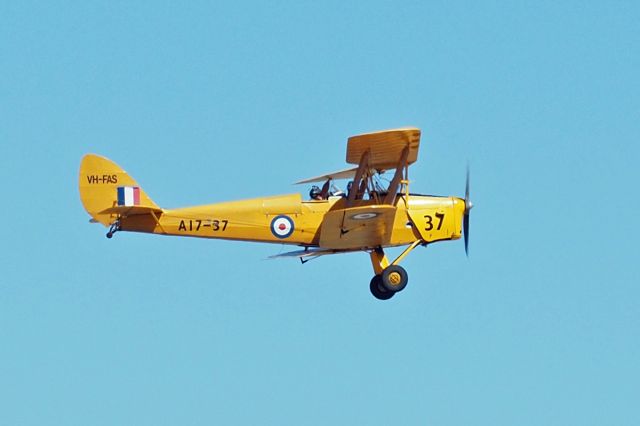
[(429, 221)]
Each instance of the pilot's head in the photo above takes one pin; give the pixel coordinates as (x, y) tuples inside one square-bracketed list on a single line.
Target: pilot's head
[(315, 193)]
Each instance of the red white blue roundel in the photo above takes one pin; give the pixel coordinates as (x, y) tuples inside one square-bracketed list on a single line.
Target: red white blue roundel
[(282, 226)]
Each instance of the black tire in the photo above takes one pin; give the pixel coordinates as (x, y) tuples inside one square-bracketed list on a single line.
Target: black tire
[(394, 278), (378, 290)]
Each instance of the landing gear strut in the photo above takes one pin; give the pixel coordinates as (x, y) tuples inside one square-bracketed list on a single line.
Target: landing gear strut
[(390, 278)]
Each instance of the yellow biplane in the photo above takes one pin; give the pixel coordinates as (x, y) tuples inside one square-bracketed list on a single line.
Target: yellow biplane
[(370, 215)]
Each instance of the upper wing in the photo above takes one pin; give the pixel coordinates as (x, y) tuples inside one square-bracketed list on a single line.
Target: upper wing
[(385, 151), (385, 147), (340, 174)]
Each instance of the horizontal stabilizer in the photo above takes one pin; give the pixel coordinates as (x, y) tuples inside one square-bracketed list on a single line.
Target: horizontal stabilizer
[(126, 211)]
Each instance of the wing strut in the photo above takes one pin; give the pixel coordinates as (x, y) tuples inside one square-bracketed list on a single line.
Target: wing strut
[(324, 194), (363, 167), (392, 191)]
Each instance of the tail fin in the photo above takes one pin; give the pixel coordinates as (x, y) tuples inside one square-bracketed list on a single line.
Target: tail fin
[(106, 190)]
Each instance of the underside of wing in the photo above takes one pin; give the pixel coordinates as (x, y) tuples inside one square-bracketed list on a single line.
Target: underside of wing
[(309, 253)]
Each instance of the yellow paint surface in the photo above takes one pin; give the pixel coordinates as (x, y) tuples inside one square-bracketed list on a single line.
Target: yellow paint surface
[(285, 219)]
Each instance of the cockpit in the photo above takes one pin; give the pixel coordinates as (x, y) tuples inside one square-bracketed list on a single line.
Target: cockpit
[(375, 187), (328, 190)]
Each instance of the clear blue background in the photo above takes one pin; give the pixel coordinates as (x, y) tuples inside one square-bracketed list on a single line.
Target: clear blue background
[(205, 102)]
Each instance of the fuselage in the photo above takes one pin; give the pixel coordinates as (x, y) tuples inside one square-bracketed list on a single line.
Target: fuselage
[(287, 219)]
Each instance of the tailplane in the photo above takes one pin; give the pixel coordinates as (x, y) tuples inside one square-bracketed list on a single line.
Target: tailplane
[(108, 192)]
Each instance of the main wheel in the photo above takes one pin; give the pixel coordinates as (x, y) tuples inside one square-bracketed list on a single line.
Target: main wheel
[(378, 290), (394, 278)]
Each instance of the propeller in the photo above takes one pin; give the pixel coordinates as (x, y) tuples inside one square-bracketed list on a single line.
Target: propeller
[(468, 205)]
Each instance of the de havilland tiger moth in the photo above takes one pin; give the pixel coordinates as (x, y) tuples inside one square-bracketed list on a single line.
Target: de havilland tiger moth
[(372, 214)]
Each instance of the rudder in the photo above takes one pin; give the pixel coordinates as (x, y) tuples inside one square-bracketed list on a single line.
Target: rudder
[(104, 186)]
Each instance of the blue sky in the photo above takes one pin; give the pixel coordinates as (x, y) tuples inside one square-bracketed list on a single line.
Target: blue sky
[(207, 102)]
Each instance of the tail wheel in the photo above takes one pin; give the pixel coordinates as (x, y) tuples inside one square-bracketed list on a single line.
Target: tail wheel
[(378, 290), (394, 278)]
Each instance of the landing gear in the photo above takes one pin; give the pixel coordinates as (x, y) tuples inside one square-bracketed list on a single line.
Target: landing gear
[(115, 227), (378, 290), (394, 278), (390, 278)]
